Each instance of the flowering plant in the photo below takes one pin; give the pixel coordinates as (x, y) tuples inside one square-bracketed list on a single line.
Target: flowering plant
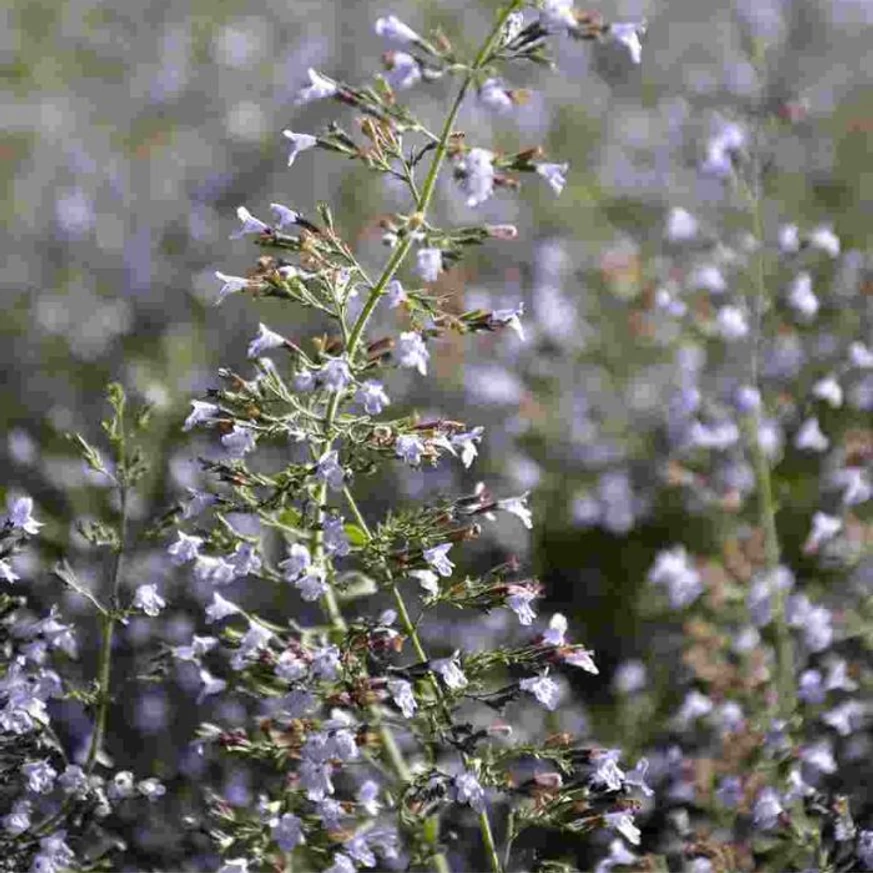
[(334, 644), (365, 742)]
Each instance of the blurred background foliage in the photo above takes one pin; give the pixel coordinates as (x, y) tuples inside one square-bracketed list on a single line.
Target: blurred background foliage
[(133, 131)]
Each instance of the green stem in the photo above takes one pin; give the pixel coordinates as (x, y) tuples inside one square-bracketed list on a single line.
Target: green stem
[(785, 685), (396, 259), (104, 665), (104, 669), (488, 839)]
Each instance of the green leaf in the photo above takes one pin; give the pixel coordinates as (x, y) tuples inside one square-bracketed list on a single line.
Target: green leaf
[(356, 536)]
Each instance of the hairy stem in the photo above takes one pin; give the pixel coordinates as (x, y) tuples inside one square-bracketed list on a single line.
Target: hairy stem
[(395, 261), (104, 670), (785, 685)]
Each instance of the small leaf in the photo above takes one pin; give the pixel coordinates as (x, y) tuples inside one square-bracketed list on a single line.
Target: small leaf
[(356, 536)]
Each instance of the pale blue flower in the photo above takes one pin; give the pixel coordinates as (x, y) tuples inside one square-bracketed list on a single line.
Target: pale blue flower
[(264, 342), (250, 224), (411, 352), (391, 27), (148, 600), (319, 87), (300, 142)]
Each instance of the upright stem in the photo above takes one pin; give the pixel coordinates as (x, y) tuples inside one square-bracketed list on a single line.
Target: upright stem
[(104, 669), (785, 685), (396, 259)]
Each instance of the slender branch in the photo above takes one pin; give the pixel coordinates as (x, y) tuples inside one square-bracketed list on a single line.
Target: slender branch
[(785, 685), (104, 673), (394, 263)]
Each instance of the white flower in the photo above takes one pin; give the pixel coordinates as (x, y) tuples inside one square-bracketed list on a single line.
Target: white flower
[(21, 515), (148, 600), (801, 298), (860, 356), (336, 541), (298, 561), (250, 224), (319, 87), (231, 285), (810, 437), (288, 832), (245, 559), (220, 608), (519, 601), (240, 441), (411, 351), (285, 215), (709, 277), (410, 448), (368, 793), (401, 694), (342, 863), (7, 574), (694, 707), (428, 580), (731, 323), (681, 225), (404, 70), (495, 96), (477, 175), (371, 395), (824, 527), (558, 13), (824, 238), (312, 584), (554, 174), (466, 443), (829, 390), (330, 471), (721, 149), (855, 484), (437, 557), (468, 790), (510, 318), (673, 569), (767, 810), (201, 412), (18, 820), (300, 142), (429, 264), (789, 238), (264, 341), (218, 571), (40, 776), (185, 548), (151, 788), (326, 662), (554, 636), (335, 375), (619, 856), (235, 865), (391, 27), (844, 718), (628, 34), (395, 294), (623, 822), (518, 507), (199, 647), (608, 774), (545, 689), (450, 671)]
